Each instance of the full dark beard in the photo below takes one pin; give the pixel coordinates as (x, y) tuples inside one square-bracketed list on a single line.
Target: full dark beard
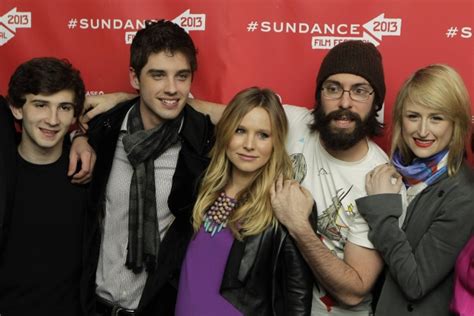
[(336, 138)]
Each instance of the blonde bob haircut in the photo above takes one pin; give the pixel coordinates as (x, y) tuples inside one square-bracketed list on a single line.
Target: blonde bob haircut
[(439, 88), (254, 211)]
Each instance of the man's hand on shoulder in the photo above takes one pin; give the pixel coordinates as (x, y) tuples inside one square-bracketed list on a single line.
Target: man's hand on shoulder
[(81, 152), (214, 110), (98, 104), (292, 204)]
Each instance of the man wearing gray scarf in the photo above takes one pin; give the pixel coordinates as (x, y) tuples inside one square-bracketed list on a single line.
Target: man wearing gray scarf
[(150, 153)]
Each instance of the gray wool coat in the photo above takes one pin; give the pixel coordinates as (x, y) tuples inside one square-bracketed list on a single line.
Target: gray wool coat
[(420, 256)]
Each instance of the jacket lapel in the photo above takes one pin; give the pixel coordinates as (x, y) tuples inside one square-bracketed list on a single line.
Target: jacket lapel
[(241, 259)]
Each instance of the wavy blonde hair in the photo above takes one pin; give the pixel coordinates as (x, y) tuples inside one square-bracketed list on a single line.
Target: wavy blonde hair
[(440, 88), (254, 211)]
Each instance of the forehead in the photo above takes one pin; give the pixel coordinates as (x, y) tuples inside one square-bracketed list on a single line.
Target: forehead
[(347, 79), (419, 108), (166, 60), (63, 96), (257, 118)]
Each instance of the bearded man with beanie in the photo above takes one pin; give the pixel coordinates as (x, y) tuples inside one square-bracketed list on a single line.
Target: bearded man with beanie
[(331, 153)]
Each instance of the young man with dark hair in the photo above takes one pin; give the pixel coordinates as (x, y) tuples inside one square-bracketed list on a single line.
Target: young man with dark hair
[(151, 151), (41, 245)]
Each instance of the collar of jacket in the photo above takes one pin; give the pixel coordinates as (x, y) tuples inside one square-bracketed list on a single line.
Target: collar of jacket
[(444, 185), (239, 277), (243, 255), (193, 123), (189, 133), (241, 259)]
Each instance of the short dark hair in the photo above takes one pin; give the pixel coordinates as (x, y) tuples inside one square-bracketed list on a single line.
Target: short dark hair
[(46, 75), (157, 37)]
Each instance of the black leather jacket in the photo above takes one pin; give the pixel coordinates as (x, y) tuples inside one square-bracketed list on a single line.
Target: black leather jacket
[(266, 275)]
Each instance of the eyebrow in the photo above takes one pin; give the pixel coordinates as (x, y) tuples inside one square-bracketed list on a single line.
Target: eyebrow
[(184, 71), (354, 85), (161, 71), (430, 113), (262, 130), (40, 100), (48, 102), (155, 71), (67, 103)]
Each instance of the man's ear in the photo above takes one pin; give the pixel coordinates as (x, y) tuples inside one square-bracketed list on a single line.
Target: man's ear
[(17, 112), (134, 81)]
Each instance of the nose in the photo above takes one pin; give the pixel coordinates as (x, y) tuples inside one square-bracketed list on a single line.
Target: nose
[(170, 87), (345, 102), (423, 128), (249, 143), (52, 118)]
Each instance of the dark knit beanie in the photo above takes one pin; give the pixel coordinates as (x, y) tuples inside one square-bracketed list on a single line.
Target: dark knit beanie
[(357, 58)]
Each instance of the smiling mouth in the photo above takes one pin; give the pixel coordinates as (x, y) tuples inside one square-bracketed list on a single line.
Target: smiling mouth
[(48, 133), (423, 143), (169, 102)]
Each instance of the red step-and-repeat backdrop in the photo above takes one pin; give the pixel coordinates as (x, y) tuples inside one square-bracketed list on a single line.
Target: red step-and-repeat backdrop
[(272, 43)]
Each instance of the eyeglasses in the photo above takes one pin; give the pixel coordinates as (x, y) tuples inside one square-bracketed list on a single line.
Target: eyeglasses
[(333, 91)]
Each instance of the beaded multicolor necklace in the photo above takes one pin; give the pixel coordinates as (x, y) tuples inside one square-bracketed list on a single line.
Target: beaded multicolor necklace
[(217, 215)]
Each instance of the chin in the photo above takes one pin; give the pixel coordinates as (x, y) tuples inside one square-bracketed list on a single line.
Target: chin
[(425, 153)]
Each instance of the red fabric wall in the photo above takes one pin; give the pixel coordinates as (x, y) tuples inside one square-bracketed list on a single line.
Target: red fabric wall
[(273, 43)]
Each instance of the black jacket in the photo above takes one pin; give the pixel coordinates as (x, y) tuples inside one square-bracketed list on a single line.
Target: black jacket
[(266, 275), (197, 138)]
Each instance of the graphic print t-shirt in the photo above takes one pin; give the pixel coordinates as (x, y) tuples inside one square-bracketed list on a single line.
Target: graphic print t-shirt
[(335, 185)]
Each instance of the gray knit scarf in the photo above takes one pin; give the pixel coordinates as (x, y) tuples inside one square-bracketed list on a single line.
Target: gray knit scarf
[(142, 148)]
